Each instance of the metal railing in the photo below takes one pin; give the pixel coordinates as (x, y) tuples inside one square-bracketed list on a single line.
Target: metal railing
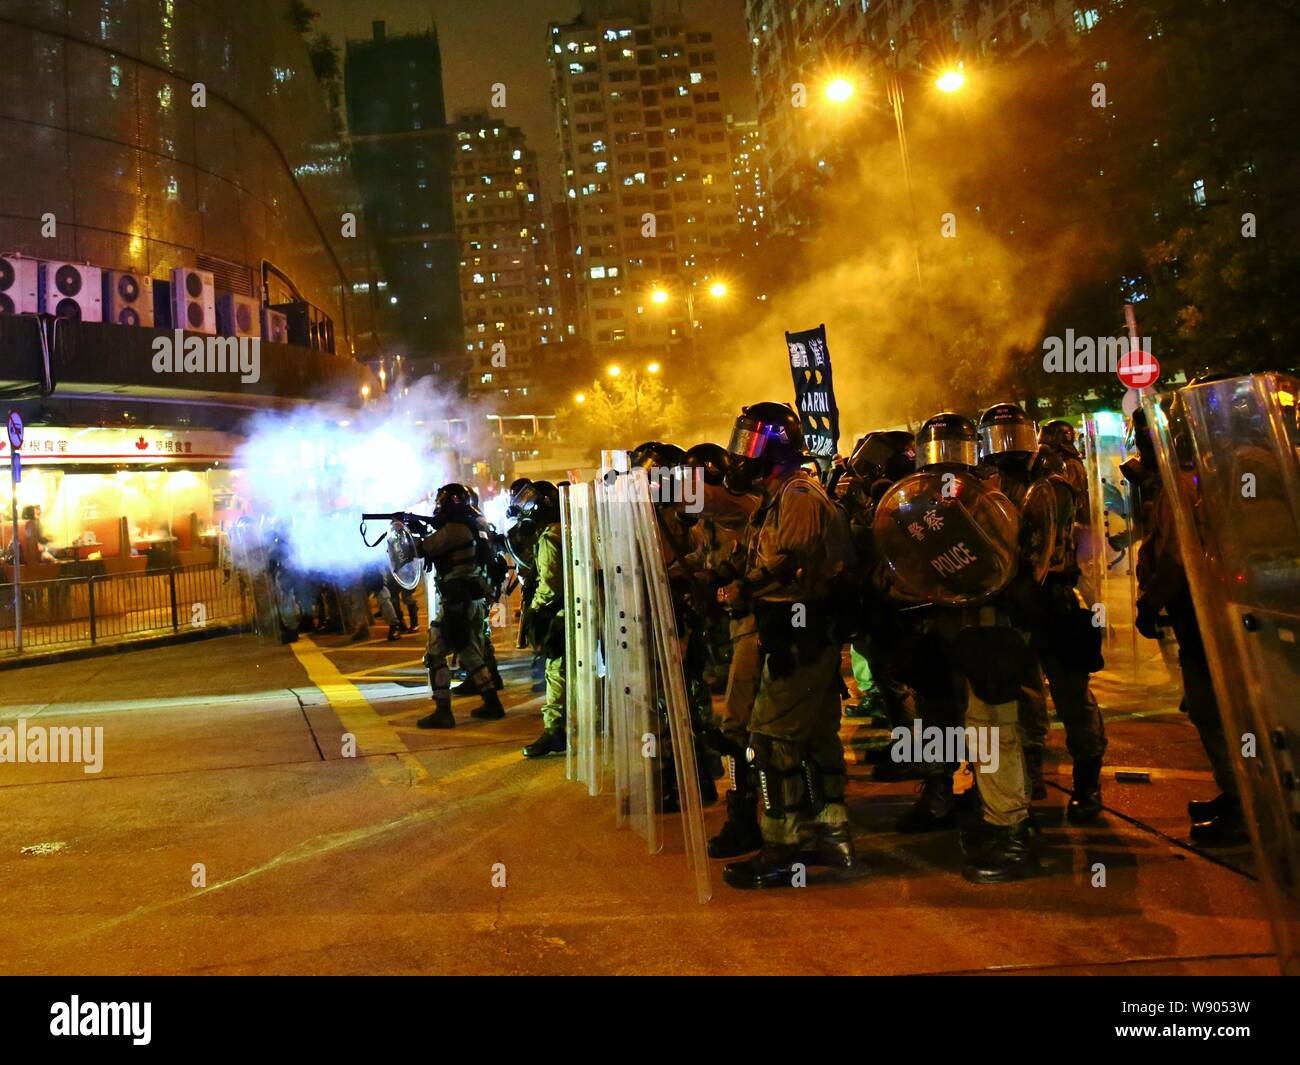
[(70, 612)]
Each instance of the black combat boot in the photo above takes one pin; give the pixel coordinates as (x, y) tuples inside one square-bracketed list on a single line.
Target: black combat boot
[(394, 632), (828, 845), (772, 867), (441, 716), (497, 683), (465, 687), (414, 610), (935, 809), (551, 741), (1034, 773), (1208, 809), (740, 833), (1085, 799), (491, 710), (1226, 828), (998, 854)]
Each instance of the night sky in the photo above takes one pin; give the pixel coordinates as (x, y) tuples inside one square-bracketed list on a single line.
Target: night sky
[(485, 41)]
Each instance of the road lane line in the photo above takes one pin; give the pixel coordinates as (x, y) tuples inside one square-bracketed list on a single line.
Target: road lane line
[(373, 734)]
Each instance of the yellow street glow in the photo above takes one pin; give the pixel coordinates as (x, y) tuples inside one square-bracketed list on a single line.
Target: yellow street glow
[(659, 295), (614, 371), (717, 290), (654, 367), (839, 90), (579, 397), (950, 81)]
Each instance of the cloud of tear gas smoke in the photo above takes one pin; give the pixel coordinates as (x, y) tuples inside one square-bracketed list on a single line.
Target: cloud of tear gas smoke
[(901, 352), (314, 471)]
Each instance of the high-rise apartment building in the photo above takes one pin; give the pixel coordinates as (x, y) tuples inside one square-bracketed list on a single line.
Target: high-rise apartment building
[(402, 157), (748, 178), (647, 170), (507, 302)]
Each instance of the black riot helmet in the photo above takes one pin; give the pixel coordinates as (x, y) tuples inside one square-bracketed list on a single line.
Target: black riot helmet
[(713, 459), (536, 506), (454, 502), (1005, 429), (765, 435), (1059, 433), (654, 454), (948, 439), (885, 455)]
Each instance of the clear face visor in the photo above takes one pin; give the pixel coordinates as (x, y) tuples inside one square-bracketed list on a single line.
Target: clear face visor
[(949, 451), (748, 440), (999, 439), (870, 458)]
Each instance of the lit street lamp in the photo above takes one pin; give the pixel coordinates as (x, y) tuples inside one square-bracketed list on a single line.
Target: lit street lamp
[(950, 81)]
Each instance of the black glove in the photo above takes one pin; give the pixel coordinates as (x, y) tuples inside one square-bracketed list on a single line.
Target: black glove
[(1148, 619)]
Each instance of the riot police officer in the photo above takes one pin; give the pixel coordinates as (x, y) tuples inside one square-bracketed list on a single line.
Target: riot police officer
[(536, 509), (457, 549), (1061, 632), (799, 548), (724, 529), (949, 541)]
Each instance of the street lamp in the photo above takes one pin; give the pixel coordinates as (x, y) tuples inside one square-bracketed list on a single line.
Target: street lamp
[(839, 90), (718, 290), (950, 81), (614, 370), (579, 397)]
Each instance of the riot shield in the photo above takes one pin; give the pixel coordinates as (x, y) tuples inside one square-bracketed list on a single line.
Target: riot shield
[(947, 537), (1038, 527), (668, 669), (580, 634), (630, 704), (1108, 542), (1228, 460)]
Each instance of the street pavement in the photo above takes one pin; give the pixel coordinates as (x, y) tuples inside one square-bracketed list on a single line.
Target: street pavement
[(231, 830)]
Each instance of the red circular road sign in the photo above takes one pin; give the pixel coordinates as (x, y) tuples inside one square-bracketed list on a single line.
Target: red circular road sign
[(15, 428), (1138, 369)]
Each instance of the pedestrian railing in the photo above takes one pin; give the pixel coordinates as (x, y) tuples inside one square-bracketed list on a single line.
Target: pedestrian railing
[(71, 612)]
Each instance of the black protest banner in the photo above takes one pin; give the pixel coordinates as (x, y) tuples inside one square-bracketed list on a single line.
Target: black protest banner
[(814, 392)]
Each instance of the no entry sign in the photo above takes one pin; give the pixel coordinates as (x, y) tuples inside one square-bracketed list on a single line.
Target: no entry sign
[(15, 430), (1138, 368)]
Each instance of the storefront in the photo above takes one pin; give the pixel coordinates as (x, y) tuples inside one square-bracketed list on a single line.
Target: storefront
[(133, 499)]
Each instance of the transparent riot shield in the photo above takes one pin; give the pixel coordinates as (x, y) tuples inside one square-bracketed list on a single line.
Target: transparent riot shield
[(1108, 542), (580, 635), (1229, 463), (672, 680), (630, 704)]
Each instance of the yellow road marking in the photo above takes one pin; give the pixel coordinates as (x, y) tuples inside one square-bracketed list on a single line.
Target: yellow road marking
[(374, 735)]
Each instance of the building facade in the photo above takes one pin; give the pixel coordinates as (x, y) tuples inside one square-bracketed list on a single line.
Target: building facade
[(146, 148), (402, 155), (507, 301), (647, 172)]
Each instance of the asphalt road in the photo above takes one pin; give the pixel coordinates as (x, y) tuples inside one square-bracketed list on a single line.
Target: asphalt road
[(228, 831)]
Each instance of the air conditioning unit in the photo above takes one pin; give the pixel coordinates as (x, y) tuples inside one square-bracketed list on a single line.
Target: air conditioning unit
[(72, 290), (275, 326), (238, 316), (309, 326), (128, 298), (193, 300), (20, 284)]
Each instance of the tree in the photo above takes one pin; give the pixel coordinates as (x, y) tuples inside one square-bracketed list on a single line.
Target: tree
[(624, 411)]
